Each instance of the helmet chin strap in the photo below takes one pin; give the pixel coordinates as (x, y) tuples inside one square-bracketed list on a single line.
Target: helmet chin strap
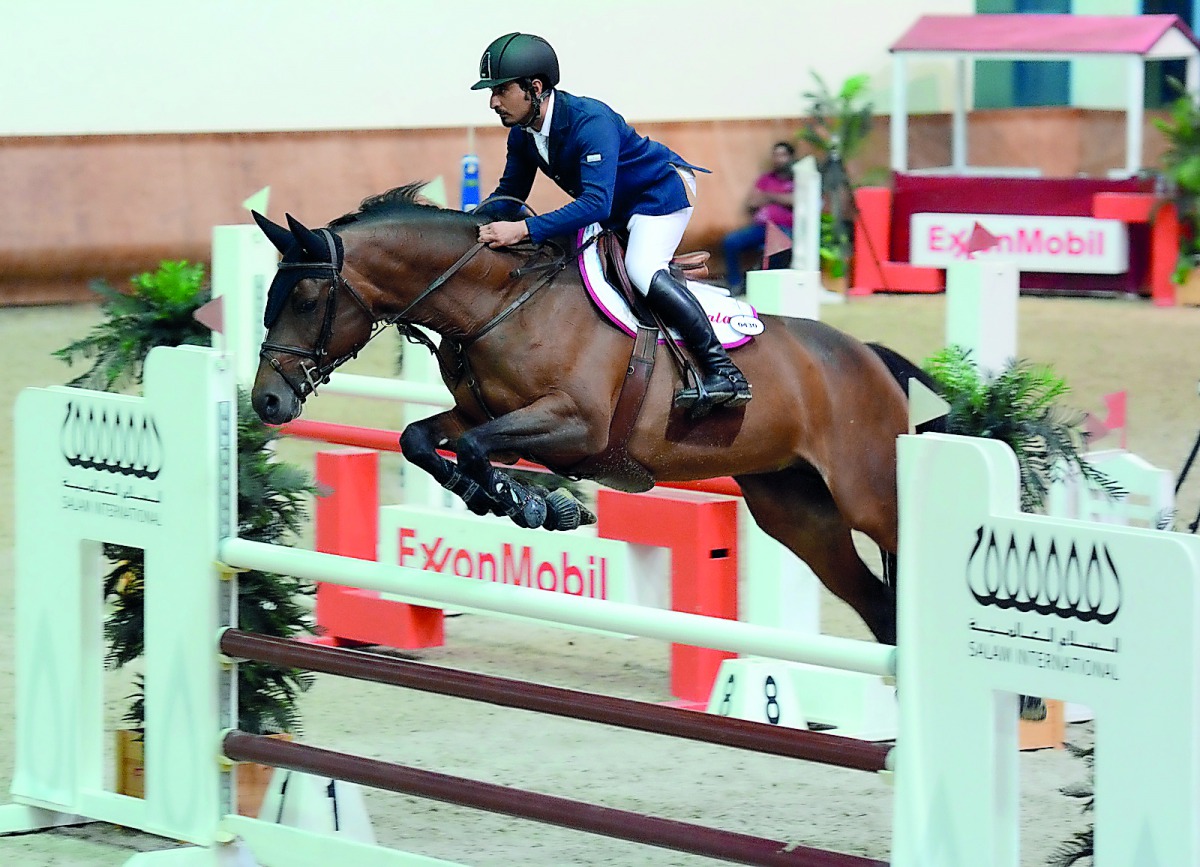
[(535, 108)]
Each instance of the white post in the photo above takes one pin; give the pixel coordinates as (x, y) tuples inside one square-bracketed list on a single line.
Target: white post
[(156, 473), (243, 265), (806, 211), (1134, 117), (785, 292), (987, 612), (775, 587), (958, 146), (981, 310), (899, 121)]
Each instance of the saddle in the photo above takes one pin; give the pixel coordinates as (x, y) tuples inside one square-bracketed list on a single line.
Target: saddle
[(611, 246)]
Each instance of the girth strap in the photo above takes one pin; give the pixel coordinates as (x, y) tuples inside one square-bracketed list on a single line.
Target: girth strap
[(629, 405), (633, 390)]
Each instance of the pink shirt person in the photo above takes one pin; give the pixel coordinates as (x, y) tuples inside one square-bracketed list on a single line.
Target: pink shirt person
[(772, 211)]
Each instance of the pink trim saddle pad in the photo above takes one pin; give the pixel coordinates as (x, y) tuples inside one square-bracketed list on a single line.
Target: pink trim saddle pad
[(734, 321)]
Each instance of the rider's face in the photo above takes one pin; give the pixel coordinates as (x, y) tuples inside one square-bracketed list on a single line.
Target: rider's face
[(511, 103)]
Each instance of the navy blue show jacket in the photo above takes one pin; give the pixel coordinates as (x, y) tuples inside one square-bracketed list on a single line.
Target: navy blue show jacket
[(599, 160)]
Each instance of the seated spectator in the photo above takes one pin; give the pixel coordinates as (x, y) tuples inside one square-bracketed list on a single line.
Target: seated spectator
[(769, 201)]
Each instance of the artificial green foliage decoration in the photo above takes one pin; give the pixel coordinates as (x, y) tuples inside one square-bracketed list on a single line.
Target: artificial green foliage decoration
[(272, 496), (1181, 167), (835, 246), (1083, 843), (836, 126), (156, 312), (272, 505), (837, 123), (1018, 406)]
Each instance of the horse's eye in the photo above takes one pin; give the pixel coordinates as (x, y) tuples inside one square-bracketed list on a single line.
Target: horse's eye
[(306, 305)]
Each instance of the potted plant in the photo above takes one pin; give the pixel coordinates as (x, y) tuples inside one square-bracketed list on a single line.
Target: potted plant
[(1019, 406), (1181, 171), (835, 128), (158, 311), (834, 252)]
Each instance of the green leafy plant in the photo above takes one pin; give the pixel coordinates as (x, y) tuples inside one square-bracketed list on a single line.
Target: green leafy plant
[(1181, 168), (271, 495), (156, 312), (837, 123), (1019, 406), (836, 126), (835, 247)]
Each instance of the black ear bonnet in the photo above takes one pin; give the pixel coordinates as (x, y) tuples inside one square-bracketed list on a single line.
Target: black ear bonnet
[(305, 254)]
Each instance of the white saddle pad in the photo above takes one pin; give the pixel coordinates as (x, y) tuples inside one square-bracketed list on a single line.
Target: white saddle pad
[(734, 321)]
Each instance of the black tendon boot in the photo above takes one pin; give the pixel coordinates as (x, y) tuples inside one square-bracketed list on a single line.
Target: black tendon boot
[(721, 383)]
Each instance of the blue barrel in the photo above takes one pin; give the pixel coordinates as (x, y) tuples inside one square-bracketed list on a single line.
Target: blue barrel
[(470, 182)]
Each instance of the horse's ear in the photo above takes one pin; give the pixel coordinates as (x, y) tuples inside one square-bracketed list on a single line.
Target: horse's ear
[(280, 237), (310, 242)]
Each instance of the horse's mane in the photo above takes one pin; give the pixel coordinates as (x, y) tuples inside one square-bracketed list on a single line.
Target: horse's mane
[(399, 203)]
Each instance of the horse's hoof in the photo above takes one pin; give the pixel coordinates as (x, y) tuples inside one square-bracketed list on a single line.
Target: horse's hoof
[(562, 511)]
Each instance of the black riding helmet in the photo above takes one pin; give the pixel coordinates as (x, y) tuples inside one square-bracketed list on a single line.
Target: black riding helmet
[(514, 56)]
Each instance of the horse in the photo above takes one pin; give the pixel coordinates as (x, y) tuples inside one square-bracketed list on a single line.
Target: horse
[(536, 373)]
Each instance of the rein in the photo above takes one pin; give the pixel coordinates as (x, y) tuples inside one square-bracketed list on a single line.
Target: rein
[(318, 374)]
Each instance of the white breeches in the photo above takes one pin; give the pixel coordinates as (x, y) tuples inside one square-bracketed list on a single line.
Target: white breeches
[(653, 241)]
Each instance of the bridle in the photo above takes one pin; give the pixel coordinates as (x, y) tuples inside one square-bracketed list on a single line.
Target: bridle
[(317, 372), (318, 368)]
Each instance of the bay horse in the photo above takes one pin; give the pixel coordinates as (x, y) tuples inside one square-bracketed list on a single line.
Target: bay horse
[(536, 372)]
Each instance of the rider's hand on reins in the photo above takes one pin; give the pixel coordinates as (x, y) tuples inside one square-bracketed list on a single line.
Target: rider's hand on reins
[(503, 233)]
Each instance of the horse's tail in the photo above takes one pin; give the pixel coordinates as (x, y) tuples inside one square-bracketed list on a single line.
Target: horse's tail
[(902, 371)]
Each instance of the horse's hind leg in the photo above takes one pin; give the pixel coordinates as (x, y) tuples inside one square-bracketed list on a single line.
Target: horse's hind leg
[(795, 507)]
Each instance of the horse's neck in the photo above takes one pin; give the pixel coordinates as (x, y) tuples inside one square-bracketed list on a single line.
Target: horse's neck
[(477, 291)]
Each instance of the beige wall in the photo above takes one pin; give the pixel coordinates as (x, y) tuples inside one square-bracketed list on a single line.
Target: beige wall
[(80, 207), (149, 66)]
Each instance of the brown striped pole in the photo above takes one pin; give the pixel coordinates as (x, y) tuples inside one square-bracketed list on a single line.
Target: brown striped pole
[(550, 809), (642, 716)]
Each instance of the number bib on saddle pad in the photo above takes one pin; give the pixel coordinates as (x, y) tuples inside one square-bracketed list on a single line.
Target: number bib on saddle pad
[(734, 321)]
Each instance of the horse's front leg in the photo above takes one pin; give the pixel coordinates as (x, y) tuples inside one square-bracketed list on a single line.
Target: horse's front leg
[(550, 425), (419, 443)]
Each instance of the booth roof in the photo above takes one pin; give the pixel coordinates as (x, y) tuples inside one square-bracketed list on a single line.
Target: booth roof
[(1040, 34)]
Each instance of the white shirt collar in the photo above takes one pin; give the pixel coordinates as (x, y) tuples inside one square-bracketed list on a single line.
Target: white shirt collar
[(547, 116)]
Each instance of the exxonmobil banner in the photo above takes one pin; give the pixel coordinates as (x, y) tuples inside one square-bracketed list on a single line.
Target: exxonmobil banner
[(492, 549), (1069, 245)]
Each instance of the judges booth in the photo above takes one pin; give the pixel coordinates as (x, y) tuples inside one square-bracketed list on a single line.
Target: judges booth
[(1102, 233)]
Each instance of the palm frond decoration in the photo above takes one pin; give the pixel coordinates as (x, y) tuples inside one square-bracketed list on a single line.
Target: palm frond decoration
[(1082, 844), (1019, 406), (272, 495), (156, 312)]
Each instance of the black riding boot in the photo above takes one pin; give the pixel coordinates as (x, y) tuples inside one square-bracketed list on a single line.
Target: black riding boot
[(721, 383)]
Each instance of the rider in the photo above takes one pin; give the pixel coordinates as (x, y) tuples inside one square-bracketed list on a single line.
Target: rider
[(616, 177)]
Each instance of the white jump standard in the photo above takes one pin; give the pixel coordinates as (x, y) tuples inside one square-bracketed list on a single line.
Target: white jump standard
[(993, 603)]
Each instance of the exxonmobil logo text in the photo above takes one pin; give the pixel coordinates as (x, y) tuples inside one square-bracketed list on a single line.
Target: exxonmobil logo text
[(1036, 243), (506, 563)]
